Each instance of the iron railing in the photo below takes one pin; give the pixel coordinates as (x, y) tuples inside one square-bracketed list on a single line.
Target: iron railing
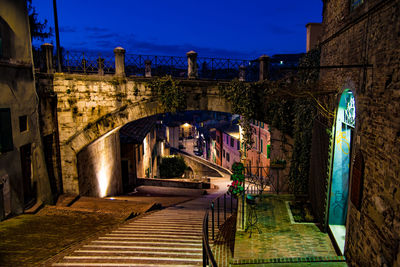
[(218, 207), (176, 66)]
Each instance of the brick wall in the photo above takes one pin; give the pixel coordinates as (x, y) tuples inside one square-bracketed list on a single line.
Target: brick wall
[(369, 35)]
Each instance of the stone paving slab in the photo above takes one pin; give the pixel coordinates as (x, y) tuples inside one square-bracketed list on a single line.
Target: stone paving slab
[(29, 239), (279, 238)]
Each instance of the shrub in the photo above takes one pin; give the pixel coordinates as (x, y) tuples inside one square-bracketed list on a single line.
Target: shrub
[(171, 167)]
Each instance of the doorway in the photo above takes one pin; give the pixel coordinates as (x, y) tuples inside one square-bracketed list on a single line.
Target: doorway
[(26, 168), (339, 189)]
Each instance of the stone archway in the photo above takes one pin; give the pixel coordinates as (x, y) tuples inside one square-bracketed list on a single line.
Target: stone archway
[(80, 96)]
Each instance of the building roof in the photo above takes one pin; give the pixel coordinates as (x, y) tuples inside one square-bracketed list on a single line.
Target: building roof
[(134, 132), (233, 131)]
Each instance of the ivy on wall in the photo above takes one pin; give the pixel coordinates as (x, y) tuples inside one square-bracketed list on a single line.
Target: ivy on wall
[(170, 94), (289, 105)]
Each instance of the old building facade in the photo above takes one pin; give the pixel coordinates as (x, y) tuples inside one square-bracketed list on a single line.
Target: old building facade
[(23, 174), (360, 55)]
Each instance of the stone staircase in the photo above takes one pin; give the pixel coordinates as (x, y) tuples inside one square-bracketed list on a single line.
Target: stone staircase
[(172, 236)]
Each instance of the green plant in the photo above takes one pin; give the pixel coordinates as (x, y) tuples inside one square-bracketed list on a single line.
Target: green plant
[(289, 105), (171, 95), (173, 166), (237, 186)]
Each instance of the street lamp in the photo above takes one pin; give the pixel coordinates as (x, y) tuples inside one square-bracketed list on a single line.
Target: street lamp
[(57, 36)]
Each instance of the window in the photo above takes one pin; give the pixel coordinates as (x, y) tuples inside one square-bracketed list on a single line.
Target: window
[(1, 46), (23, 123), (6, 139), (227, 157), (262, 125), (223, 153), (238, 145), (268, 151), (232, 142), (255, 142), (355, 3), (261, 145), (227, 140)]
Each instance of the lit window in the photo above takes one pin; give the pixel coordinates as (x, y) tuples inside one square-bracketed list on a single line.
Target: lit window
[(356, 3)]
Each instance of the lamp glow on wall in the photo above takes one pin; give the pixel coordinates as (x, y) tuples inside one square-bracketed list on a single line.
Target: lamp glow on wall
[(105, 165)]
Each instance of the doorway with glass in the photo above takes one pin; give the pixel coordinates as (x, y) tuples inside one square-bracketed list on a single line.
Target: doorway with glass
[(339, 185)]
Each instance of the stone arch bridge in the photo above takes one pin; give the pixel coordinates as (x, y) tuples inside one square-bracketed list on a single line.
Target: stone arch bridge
[(94, 106)]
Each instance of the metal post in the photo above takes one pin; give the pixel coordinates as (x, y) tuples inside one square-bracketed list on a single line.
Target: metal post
[(212, 219), (218, 212), (242, 209), (231, 204), (224, 207), (57, 36)]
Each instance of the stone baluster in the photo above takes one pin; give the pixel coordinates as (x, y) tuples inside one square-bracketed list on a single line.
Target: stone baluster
[(264, 67), (47, 58), (100, 64), (147, 69), (192, 65), (242, 73), (119, 53)]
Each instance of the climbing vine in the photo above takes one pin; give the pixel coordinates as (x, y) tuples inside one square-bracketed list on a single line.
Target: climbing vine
[(171, 95), (289, 105)]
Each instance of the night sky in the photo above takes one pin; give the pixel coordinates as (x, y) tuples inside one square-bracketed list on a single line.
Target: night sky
[(216, 28)]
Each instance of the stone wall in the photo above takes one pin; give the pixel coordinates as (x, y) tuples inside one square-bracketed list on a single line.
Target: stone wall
[(369, 35), (89, 106), (99, 167), (17, 94)]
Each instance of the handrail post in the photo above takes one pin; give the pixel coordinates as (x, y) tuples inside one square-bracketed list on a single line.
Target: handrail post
[(218, 212), (231, 205), (224, 207), (212, 219)]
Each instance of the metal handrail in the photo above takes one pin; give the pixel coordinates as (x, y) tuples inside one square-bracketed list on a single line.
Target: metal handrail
[(208, 256), (207, 253)]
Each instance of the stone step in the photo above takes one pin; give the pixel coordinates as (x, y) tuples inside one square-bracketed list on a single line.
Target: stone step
[(157, 236), (176, 253), (142, 248), (151, 243), (104, 260), (158, 240), (163, 232)]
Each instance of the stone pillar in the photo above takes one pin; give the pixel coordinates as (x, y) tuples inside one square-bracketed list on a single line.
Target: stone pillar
[(100, 64), (147, 69), (264, 67), (192, 65), (119, 53), (47, 58), (242, 73)]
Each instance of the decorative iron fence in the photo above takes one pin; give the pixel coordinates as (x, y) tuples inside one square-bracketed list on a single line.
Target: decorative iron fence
[(135, 65)]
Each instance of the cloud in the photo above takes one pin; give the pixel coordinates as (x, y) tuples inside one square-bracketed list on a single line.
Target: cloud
[(68, 29), (96, 29), (105, 41)]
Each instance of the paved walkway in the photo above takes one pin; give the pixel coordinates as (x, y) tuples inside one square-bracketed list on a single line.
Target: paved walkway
[(282, 241)]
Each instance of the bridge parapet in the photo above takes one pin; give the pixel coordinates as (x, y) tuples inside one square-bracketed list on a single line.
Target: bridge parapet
[(121, 64)]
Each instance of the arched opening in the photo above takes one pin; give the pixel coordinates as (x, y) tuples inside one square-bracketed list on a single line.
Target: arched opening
[(339, 186)]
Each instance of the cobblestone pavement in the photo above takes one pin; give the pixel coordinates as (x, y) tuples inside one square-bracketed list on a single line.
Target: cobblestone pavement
[(281, 241)]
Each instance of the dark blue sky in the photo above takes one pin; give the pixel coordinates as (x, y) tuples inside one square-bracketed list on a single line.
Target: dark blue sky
[(218, 28)]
